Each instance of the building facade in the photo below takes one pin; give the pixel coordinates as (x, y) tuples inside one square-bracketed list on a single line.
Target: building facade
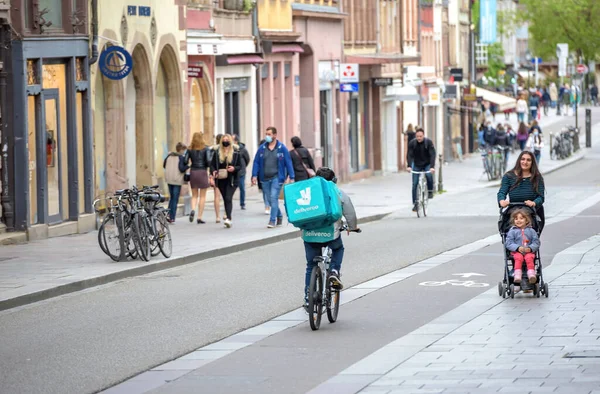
[(50, 142), (139, 119), (6, 199)]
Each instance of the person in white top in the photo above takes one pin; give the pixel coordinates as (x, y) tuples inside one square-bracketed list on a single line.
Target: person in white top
[(535, 144), (521, 109)]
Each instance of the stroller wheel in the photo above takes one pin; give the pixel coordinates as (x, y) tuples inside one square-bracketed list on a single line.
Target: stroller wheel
[(511, 289), (500, 289), (536, 290), (546, 289)]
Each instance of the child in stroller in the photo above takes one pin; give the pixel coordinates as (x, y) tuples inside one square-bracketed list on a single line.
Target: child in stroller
[(522, 241), (519, 228)]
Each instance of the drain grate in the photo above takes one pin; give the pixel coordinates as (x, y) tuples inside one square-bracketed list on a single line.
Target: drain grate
[(583, 354)]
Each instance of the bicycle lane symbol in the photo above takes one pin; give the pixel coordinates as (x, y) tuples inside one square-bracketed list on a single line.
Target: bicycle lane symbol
[(454, 282)]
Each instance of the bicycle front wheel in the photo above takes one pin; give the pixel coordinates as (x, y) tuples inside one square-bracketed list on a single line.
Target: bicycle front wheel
[(334, 305), (315, 305), (424, 200), (419, 199), (165, 243), (110, 237), (140, 237)]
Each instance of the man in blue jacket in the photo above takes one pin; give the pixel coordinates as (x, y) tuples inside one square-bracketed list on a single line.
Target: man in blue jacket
[(272, 165)]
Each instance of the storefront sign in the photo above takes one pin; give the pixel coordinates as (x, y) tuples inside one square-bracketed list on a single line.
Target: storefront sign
[(456, 74), (434, 96), (133, 10), (348, 73), (115, 63), (349, 87), (382, 81), (195, 72), (235, 84), (451, 92), (468, 96)]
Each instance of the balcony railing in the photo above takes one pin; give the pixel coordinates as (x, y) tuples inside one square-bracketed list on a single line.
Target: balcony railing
[(331, 3), (230, 5)]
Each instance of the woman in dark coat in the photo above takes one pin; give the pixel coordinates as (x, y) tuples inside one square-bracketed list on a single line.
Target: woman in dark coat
[(301, 160)]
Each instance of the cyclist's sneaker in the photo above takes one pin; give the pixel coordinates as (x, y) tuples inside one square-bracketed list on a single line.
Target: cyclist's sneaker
[(430, 195), (271, 225), (305, 305), (414, 209), (334, 278), (279, 221)]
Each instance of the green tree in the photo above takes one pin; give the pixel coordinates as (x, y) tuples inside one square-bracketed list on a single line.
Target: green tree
[(576, 22), (495, 60)]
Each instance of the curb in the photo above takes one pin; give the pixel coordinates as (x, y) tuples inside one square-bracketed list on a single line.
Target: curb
[(155, 267)]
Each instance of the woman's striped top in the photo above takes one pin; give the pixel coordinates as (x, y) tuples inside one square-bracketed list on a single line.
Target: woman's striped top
[(523, 192)]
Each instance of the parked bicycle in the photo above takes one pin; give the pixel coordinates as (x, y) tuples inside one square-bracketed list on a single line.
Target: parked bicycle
[(422, 193), (135, 225), (564, 143), (320, 293)]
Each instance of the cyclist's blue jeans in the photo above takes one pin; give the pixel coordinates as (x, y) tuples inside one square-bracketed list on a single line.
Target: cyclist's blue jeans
[(314, 250), (429, 177), (174, 191), (271, 188)]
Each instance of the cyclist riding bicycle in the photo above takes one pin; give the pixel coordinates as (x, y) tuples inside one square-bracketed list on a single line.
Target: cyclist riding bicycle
[(333, 239), (421, 157)]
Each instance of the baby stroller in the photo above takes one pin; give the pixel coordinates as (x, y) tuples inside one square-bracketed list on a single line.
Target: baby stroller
[(507, 287)]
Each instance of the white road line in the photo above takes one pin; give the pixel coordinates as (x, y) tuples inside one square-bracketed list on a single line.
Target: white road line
[(296, 317)]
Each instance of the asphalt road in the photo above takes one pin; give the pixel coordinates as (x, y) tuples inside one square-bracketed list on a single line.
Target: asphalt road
[(88, 341)]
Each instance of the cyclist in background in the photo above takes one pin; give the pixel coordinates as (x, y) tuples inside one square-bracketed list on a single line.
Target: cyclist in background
[(313, 249), (421, 157)]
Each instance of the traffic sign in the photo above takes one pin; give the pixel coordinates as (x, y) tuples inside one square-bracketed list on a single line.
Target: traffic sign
[(537, 60), (349, 73), (349, 87), (582, 69)]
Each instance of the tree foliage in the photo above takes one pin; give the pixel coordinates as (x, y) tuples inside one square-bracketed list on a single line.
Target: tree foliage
[(495, 60), (575, 22)]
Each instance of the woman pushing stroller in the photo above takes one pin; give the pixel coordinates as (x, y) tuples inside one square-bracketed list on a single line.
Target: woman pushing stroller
[(523, 242)]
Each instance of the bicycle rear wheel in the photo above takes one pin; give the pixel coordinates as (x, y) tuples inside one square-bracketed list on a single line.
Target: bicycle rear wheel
[(315, 305), (140, 237), (334, 305)]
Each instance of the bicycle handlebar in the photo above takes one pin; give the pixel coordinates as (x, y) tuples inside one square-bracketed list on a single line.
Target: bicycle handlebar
[(420, 172)]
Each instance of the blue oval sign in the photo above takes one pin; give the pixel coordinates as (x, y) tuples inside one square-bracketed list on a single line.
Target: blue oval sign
[(115, 62)]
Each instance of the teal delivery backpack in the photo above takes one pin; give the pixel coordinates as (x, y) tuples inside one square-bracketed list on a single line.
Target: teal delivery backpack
[(313, 203)]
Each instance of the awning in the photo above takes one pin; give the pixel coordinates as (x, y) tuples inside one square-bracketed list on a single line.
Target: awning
[(401, 93), (228, 60), (531, 74), (287, 48), (503, 102)]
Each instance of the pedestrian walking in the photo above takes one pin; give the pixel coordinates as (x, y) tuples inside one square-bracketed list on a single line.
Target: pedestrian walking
[(534, 103), (521, 109), (197, 159), (224, 168), (553, 95), (535, 144), (410, 132), (522, 135), (175, 169), (594, 94), (273, 165), (546, 101), (266, 198), (217, 195), (242, 173), (304, 166)]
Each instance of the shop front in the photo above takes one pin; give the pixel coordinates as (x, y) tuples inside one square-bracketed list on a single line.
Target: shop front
[(235, 93), (53, 141)]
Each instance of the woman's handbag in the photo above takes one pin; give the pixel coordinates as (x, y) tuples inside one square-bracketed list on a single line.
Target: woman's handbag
[(186, 177), (222, 174), (309, 171)]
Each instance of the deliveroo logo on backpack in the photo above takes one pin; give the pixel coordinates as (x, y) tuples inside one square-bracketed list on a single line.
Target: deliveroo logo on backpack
[(304, 202)]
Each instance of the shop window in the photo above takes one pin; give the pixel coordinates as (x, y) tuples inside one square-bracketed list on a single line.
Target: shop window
[(32, 149), (232, 113), (197, 109), (32, 72)]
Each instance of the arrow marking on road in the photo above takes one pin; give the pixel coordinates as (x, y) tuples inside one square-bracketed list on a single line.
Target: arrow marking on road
[(468, 274)]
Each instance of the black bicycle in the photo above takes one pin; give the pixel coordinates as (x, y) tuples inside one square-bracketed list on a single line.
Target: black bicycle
[(320, 293)]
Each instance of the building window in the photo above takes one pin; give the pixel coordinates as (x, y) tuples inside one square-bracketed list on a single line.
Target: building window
[(32, 72), (53, 12), (80, 70)]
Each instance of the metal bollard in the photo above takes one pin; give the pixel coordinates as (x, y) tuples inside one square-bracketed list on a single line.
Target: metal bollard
[(588, 128), (440, 178)]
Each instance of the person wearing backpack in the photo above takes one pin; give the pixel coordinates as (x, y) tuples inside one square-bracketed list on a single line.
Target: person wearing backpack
[(331, 237), (175, 169), (421, 157), (273, 165), (304, 166)]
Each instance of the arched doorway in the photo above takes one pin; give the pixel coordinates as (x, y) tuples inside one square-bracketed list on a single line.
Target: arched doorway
[(168, 115), (202, 106), (139, 136)]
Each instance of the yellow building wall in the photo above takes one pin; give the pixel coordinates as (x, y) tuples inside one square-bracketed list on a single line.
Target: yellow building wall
[(155, 34), (274, 15)]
